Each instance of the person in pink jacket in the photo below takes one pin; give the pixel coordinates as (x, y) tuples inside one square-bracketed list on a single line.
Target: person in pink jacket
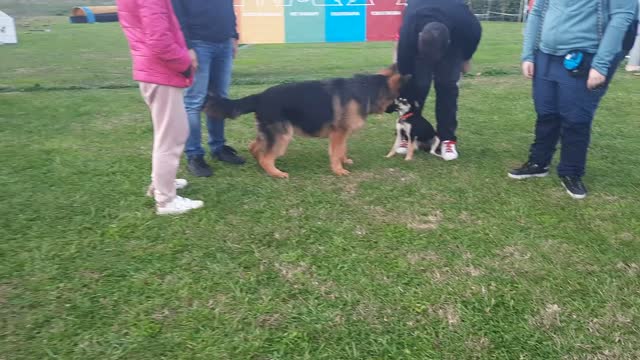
[(163, 67)]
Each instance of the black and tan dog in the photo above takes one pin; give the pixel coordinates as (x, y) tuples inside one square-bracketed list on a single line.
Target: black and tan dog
[(332, 108), (412, 128)]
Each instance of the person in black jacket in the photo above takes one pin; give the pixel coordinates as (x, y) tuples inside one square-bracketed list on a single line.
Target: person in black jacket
[(437, 41), (209, 28)]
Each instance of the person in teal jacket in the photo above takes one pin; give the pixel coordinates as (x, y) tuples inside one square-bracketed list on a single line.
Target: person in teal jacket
[(571, 51)]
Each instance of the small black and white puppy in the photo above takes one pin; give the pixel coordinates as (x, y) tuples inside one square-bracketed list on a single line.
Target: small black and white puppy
[(413, 128)]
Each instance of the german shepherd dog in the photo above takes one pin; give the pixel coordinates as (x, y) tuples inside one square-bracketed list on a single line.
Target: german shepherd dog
[(331, 109)]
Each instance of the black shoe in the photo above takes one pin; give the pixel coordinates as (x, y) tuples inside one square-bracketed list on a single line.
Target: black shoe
[(198, 167), (574, 186), (529, 170), (229, 155)]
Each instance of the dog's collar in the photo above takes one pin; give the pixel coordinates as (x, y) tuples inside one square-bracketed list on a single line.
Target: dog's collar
[(406, 116)]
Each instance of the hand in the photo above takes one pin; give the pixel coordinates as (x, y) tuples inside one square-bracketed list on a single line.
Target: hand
[(596, 79), (187, 73), (466, 66), (235, 48), (194, 60), (528, 69)]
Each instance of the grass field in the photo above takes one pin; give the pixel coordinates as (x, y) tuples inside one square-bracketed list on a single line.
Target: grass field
[(31, 8), (400, 260)]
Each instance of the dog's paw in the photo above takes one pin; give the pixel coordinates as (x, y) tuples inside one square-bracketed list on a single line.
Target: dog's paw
[(279, 175), (341, 172)]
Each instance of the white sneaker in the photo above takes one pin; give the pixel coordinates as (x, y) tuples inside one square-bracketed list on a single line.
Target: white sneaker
[(448, 150), (403, 147), (180, 184), (179, 205)]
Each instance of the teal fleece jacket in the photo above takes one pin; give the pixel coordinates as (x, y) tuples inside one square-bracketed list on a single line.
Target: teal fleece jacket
[(593, 26)]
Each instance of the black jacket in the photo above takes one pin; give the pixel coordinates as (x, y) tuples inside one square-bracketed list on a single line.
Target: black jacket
[(464, 28), (206, 20)]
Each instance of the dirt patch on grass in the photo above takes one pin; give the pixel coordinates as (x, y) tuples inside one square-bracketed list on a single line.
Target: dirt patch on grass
[(412, 221), (548, 317), (472, 271), (373, 313), (441, 275), (5, 290), (163, 315), (91, 275), (360, 231), (626, 236), (218, 302), (477, 344), (419, 257), (292, 272), (511, 260), (440, 271), (631, 269), (514, 253), (355, 179), (614, 354), (269, 321), (296, 212), (302, 275), (468, 219), (430, 222), (446, 312)]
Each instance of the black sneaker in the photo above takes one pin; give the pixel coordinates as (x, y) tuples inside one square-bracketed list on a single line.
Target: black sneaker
[(198, 167), (529, 170), (574, 186), (229, 155)]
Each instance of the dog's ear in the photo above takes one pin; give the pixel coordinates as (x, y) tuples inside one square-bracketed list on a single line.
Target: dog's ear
[(393, 107), (395, 83), (398, 81), (389, 71)]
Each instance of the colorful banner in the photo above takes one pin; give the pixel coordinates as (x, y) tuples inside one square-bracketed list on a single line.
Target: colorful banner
[(304, 22), (384, 19), (262, 21), (346, 21), (308, 21)]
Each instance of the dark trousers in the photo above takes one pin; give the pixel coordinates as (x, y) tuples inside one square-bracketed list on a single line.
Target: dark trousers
[(445, 75), (565, 109)]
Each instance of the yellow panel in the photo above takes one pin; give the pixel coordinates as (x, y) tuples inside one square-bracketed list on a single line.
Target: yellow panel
[(262, 21)]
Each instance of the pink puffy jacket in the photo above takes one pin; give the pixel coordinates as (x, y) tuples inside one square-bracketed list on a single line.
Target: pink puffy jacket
[(157, 45)]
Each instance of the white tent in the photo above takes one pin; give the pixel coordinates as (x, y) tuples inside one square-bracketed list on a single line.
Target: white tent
[(7, 29)]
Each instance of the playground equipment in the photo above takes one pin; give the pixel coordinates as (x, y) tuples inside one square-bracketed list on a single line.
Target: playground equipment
[(7, 29), (93, 14)]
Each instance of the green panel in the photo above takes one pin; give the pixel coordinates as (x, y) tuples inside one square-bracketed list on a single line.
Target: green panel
[(304, 21)]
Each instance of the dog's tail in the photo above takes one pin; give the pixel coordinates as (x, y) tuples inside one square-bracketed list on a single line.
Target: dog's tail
[(223, 108)]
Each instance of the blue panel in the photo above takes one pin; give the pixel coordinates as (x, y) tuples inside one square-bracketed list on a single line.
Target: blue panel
[(346, 20)]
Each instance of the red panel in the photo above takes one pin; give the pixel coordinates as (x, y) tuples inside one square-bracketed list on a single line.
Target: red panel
[(384, 18)]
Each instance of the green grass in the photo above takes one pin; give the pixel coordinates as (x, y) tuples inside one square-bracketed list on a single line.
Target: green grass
[(400, 260), (30, 8)]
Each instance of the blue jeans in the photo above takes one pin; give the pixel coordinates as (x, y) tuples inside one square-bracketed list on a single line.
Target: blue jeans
[(215, 64), (565, 109)]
